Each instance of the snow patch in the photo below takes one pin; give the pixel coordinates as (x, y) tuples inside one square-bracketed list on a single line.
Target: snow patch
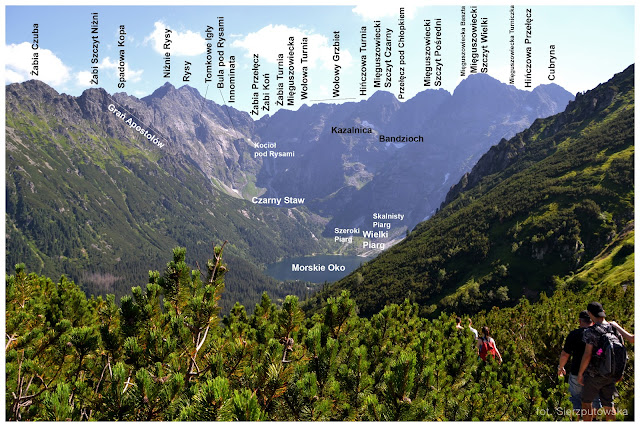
[(395, 144)]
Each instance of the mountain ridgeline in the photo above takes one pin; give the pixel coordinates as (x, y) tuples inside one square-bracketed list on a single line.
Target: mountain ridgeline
[(87, 197), (90, 197), (349, 177), (457, 128), (556, 200), (547, 209)]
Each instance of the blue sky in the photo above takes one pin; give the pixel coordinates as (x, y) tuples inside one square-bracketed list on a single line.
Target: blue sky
[(591, 44)]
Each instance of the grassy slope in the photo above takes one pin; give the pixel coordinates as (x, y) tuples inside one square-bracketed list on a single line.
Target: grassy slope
[(567, 194), (103, 210)]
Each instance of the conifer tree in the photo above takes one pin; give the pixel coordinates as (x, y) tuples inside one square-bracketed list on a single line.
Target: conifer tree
[(163, 354)]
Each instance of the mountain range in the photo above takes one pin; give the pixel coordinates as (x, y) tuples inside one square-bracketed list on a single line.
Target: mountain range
[(89, 196), (554, 201), (348, 177), (546, 214)]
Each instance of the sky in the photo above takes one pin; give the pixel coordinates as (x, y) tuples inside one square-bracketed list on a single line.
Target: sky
[(590, 44)]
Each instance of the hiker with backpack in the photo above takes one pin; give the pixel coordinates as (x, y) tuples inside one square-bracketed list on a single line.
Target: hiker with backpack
[(487, 346), (602, 363), (574, 348), (626, 335)]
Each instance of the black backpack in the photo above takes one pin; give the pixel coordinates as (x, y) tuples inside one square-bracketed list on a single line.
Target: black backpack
[(610, 354)]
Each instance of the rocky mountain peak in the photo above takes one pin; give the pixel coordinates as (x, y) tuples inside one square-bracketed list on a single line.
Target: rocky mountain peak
[(161, 92), (479, 83), (508, 152), (382, 96)]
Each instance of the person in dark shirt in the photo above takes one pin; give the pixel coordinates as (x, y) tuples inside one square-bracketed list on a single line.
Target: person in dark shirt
[(574, 348), (589, 376)]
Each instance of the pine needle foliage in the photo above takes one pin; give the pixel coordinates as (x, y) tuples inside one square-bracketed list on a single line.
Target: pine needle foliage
[(165, 354)]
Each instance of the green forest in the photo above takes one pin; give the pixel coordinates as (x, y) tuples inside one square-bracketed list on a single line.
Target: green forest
[(542, 225), (164, 353), (538, 206), (86, 201)]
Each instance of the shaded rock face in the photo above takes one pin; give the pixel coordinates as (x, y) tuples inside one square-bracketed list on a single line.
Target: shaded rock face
[(90, 197), (457, 129), (216, 138), (553, 201)]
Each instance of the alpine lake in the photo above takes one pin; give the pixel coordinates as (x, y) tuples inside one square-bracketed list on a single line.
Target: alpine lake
[(315, 269)]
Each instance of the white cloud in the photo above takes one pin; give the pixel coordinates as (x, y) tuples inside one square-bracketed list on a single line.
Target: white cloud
[(107, 64), (19, 59), (11, 76), (132, 76), (272, 40), (83, 78), (323, 92), (186, 43), (374, 10)]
